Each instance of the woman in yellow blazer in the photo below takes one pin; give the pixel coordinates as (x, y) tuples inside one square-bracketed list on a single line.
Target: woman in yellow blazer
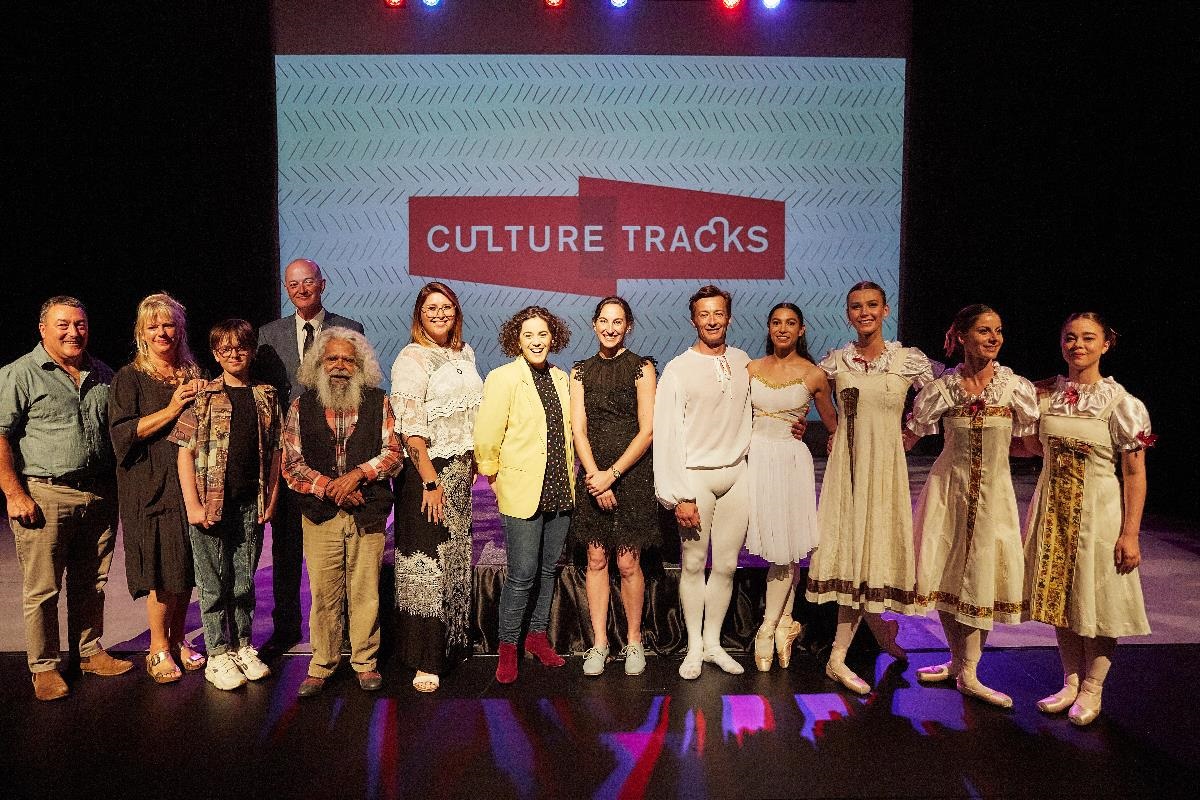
[(523, 446)]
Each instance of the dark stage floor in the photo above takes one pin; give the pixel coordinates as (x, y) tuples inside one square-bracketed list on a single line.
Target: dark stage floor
[(557, 734)]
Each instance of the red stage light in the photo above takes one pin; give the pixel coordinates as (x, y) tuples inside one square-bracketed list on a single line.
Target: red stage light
[(554, 3), (393, 3), (731, 4)]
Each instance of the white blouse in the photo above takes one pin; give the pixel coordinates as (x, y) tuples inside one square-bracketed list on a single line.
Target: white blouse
[(1129, 423), (930, 404), (701, 419), (916, 367), (435, 394)]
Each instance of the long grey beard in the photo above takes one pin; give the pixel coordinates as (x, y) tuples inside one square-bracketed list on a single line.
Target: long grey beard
[(347, 398)]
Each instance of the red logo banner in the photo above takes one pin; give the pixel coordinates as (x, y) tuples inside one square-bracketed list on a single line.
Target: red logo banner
[(584, 244)]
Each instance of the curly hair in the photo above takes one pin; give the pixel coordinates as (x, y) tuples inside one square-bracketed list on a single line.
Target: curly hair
[(161, 307), (510, 331), (310, 368)]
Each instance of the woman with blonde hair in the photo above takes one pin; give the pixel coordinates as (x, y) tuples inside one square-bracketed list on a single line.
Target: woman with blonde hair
[(146, 398)]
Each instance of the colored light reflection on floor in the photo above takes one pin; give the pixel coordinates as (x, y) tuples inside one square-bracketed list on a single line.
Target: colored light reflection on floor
[(819, 709), (636, 752), (743, 714), (381, 751), (512, 751), (693, 733), (927, 708)]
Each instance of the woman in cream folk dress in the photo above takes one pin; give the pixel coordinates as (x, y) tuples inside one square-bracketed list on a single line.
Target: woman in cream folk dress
[(1081, 547), (966, 527)]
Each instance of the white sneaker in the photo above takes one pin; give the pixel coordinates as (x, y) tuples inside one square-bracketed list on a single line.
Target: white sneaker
[(222, 672), (250, 664)]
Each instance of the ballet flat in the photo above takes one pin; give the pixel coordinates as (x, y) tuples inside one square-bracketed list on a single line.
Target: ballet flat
[(785, 638), (846, 677), (936, 673), (1060, 701)]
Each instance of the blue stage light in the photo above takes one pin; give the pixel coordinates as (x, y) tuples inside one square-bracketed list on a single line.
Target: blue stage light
[(431, 3), (619, 3), (770, 3)]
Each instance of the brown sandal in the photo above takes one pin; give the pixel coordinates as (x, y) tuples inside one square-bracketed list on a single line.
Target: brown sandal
[(191, 658), (168, 675)]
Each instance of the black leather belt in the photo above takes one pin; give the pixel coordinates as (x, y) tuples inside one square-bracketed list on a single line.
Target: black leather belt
[(82, 484)]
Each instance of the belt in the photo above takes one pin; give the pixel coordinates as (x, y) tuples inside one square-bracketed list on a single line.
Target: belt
[(81, 484)]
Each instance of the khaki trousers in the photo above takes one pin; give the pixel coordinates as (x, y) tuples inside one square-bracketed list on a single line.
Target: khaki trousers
[(77, 537), (343, 565)]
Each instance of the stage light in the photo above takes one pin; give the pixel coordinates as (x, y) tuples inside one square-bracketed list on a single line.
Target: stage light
[(393, 3), (731, 4), (431, 3), (554, 3), (770, 3), (619, 3)]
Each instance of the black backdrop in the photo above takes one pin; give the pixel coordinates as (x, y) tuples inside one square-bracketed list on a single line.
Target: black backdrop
[(1049, 159)]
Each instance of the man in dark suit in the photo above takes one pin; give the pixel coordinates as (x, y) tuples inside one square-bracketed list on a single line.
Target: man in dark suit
[(282, 345)]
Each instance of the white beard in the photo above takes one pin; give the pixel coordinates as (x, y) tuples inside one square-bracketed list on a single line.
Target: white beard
[(340, 398)]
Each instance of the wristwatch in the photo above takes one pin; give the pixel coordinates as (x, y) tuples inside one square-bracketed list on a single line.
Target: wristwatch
[(431, 485)]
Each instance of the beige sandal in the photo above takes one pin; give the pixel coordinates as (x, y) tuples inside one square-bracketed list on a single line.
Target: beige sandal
[(426, 682)]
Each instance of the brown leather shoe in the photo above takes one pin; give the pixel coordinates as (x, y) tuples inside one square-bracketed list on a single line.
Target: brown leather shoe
[(49, 685), (101, 663)]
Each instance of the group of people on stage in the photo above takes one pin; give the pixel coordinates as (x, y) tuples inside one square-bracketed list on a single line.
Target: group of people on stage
[(296, 431)]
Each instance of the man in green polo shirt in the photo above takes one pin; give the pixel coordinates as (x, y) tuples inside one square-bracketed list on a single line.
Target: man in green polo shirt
[(57, 475)]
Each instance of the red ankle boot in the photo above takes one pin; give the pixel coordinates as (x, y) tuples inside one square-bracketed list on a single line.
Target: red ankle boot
[(538, 645), (506, 670)]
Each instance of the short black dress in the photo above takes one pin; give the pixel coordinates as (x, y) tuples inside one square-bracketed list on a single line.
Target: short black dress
[(610, 401), (158, 555)]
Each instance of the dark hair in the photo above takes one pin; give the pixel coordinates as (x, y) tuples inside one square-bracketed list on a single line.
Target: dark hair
[(1110, 333), (802, 342), (60, 300), (510, 331), (418, 330), (962, 323), (863, 285), (614, 300), (239, 330), (710, 291)]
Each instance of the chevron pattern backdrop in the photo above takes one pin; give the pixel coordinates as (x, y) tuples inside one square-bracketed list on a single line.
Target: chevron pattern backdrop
[(359, 135)]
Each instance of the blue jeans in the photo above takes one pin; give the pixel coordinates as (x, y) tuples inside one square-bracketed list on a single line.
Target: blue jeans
[(533, 547), (226, 558)]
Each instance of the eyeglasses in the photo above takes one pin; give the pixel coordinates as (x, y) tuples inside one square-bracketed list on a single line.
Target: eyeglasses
[(307, 283), (226, 352), (433, 312)]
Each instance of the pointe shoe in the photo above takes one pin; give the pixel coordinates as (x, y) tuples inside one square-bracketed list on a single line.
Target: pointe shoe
[(764, 649), (537, 644), (1087, 704), (969, 685), (506, 669), (890, 629), (1061, 700), (785, 638), (839, 672), (717, 655), (937, 673), (692, 664)]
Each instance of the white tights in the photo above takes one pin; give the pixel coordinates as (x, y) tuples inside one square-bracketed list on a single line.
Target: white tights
[(723, 501)]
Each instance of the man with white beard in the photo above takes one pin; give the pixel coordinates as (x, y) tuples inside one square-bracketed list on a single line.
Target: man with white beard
[(339, 451)]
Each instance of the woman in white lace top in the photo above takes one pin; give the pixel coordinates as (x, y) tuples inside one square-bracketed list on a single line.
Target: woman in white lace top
[(1081, 545), (435, 393)]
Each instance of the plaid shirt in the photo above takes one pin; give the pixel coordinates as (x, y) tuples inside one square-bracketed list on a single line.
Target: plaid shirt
[(203, 428), (306, 480)]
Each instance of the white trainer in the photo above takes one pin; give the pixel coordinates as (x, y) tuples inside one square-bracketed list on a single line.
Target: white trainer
[(250, 664), (222, 672)]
